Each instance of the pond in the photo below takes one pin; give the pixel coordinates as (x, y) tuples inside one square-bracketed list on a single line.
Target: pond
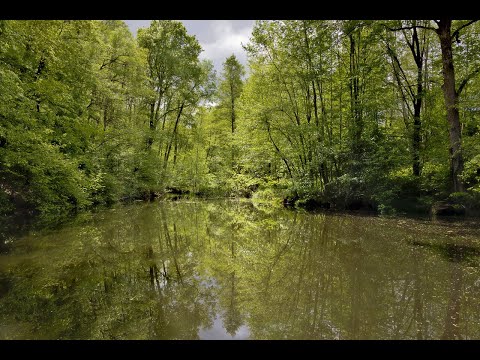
[(232, 270)]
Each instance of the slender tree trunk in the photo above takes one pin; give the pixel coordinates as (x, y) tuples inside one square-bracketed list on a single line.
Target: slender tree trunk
[(232, 104), (152, 116), (151, 125), (417, 124), (232, 119), (323, 165), (340, 110), (354, 95), (321, 137), (175, 149), (315, 106), (174, 134), (278, 151), (417, 105), (451, 102), (417, 49)]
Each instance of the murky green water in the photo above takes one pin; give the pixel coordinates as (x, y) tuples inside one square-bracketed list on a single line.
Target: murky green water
[(228, 270)]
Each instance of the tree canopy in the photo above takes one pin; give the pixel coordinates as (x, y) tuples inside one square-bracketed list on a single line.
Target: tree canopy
[(347, 114)]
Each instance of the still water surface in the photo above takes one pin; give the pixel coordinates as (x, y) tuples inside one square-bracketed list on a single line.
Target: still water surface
[(230, 270)]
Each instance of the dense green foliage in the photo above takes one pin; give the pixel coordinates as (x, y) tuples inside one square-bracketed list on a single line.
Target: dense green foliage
[(76, 120), (346, 114)]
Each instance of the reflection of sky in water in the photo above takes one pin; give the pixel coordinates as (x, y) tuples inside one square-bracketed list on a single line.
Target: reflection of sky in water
[(361, 277), (218, 332)]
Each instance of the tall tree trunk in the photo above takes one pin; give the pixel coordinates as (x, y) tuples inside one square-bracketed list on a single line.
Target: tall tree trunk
[(152, 116), (451, 102), (151, 125), (232, 104), (278, 150), (415, 98), (174, 134), (355, 94), (175, 150), (417, 124), (232, 118), (418, 52)]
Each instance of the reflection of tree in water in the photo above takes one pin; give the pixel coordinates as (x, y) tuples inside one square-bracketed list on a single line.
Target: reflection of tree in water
[(418, 299), (232, 319), (455, 255), (356, 289), (227, 223), (456, 309), (166, 270), (352, 279), (116, 277)]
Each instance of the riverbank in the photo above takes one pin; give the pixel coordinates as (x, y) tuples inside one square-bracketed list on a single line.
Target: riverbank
[(24, 221)]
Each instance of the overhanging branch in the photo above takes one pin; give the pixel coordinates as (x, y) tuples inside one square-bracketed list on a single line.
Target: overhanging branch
[(456, 32), (411, 28), (467, 79)]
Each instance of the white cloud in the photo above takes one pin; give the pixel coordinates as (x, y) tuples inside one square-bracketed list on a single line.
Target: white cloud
[(227, 41), (218, 38)]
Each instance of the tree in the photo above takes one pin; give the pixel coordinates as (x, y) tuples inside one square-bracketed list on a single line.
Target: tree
[(178, 81), (231, 86), (412, 90), (172, 58), (73, 110), (451, 94), (340, 113)]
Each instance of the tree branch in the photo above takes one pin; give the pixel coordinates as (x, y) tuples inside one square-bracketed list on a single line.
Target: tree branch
[(467, 79), (411, 28), (396, 62), (423, 44), (111, 61), (410, 44), (456, 32), (277, 149)]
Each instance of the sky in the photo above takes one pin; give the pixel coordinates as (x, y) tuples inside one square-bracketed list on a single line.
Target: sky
[(218, 38)]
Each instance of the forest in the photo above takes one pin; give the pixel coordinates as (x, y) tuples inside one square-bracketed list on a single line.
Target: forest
[(338, 114)]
